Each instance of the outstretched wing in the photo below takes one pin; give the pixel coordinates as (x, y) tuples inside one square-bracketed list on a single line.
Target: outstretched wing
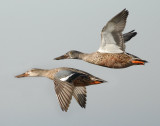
[(69, 76), (129, 35), (112, 40), (64, 92), (80, 94)]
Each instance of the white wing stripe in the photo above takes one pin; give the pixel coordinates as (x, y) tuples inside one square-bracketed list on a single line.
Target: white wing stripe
[(110, 48), (66, 78)]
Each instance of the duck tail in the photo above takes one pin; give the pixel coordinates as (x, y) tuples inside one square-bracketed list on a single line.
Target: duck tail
[(97, 81)]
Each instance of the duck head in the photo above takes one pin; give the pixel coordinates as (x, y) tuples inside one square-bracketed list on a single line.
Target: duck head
[(73, 54), (31, 73)]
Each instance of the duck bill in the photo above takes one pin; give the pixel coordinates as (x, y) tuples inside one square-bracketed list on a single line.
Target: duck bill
[(61, 57), (22, 75)]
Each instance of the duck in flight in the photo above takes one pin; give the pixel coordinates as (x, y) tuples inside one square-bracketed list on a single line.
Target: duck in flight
[(111, 52), (68, 82)]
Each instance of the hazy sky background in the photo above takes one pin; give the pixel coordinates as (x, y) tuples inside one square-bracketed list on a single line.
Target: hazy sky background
[(33, 32)]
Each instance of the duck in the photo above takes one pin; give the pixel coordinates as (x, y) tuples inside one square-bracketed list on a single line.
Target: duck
[(68, 82), (111, 52)]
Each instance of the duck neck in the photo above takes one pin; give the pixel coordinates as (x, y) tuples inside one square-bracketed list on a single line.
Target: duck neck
[(43, 73), (81, 55), (77, 55)]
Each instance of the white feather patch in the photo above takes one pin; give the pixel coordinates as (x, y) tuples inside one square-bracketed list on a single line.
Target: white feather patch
[(110, 48), (66, 78)]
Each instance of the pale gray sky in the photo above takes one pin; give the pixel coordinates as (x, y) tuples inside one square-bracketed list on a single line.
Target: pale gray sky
[(33, 32)]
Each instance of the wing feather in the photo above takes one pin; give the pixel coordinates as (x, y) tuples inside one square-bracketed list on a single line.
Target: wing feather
[(112, 40), (80, 94), (64, 92)]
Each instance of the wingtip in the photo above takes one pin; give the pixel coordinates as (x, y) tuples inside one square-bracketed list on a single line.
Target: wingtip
[(64, 110), (104, 81), (134, 33), (124, 13), (125, 10), (145, 61), (83, 106)]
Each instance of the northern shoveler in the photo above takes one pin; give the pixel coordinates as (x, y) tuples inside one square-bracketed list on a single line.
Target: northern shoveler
[(111, 52), (68, 82)]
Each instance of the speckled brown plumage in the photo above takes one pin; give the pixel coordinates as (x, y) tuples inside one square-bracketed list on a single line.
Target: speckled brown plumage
[(119, 60)]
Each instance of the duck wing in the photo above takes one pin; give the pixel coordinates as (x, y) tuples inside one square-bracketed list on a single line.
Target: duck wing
[(112, 40), (129, 35), (64, 92), (80, 95)]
